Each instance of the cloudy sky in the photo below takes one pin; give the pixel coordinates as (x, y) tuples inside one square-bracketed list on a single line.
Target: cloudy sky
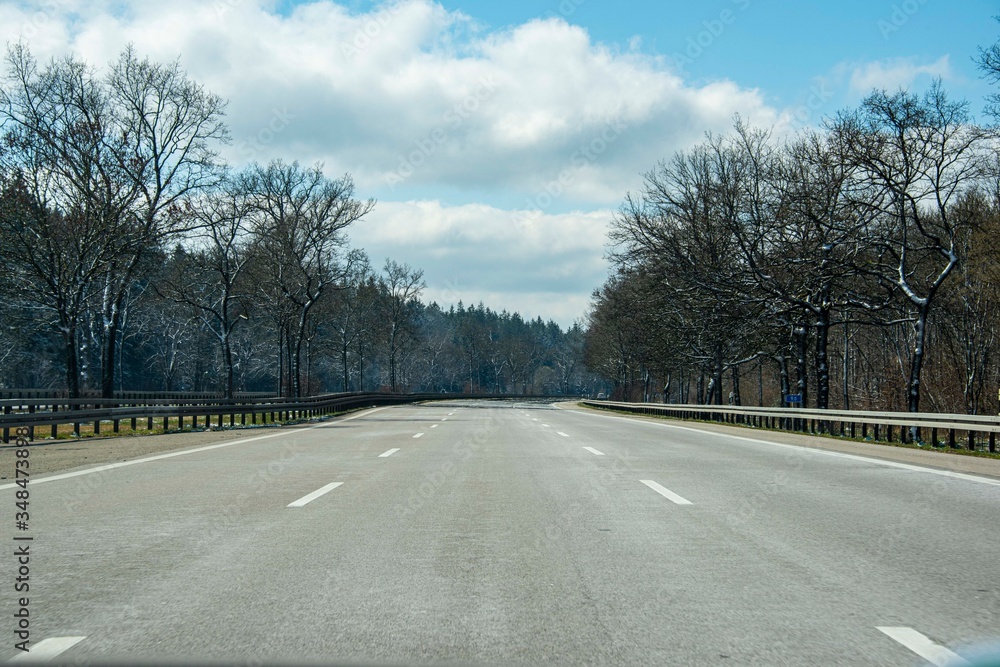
[(499, 137)]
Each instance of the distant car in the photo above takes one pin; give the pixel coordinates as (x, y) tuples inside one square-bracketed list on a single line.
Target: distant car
[(601, 396)]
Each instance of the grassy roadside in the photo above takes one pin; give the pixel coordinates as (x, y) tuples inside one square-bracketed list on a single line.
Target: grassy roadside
[(64, 432), (65, 453)]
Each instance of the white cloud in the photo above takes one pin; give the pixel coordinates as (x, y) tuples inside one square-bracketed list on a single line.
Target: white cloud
[(420, 103), (524, 261), (411, 97), (894, 74)]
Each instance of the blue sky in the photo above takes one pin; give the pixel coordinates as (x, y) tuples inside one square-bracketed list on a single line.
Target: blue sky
[(499, 138)]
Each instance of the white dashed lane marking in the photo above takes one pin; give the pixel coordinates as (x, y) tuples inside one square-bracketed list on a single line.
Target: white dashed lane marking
[(47, 649), (304, 500), (924, 647), (666, 493)]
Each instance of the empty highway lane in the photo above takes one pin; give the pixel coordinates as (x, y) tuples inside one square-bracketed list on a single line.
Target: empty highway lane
[(509, 533)]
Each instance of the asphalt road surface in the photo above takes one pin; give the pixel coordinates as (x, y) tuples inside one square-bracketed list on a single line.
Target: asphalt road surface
[(507, 533)]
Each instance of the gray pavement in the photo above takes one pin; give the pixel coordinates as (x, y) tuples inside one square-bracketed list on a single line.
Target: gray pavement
[(512, 533)]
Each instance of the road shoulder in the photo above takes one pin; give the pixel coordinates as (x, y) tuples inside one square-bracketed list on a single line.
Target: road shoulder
[(940, 460)]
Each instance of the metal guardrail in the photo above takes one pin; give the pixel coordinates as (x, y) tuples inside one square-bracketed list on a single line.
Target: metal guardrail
[(54, 412), (127, 394), (887, 426)]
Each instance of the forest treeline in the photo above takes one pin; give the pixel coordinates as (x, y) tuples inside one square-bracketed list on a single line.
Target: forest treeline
[(135, 258), (853, 266)]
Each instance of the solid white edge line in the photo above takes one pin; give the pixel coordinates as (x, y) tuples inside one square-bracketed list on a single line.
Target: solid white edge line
[(418, 435), (122, 464), (389, 453), (666, 493), (594, 451), (924, 647), (853, 457), (47, 649), (314, 495), (562, 434)]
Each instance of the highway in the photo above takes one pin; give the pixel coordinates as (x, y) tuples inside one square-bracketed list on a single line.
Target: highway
[(510, 533)]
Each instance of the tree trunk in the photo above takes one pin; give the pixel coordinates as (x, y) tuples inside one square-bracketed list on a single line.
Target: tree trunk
[(72, 360), (736, 385), (109, 349), (361, 365), (847, 364), (227, 358), (343, 361), (784, 377), (717, 373), (917, 361), (822, 359), (801, 378), (281, 358)]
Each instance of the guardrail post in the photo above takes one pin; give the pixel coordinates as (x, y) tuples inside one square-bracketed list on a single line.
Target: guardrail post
[(97, 426), (149, 423), (180, 422), (972, 441), (951, 438), (993, 442), (934, 437), (76, 429)]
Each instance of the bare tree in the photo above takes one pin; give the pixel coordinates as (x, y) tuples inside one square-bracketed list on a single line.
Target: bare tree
[(114, 153), (299, 222), (402, 285), (915, 156), (210, 276)]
